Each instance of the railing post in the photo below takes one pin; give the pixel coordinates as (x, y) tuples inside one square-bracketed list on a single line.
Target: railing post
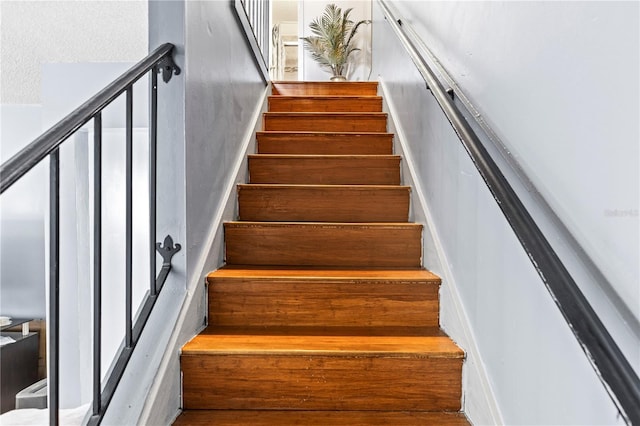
[(129, 219), (97, 262), (53, 383), (153, 163)]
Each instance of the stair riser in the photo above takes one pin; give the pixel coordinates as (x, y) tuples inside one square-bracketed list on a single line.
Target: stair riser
[(319, 418), (312, 122), (317, 382), (286, 104), (323, 245), (330, 88), (323, 204), (325, 171), (325, 143), (261, 303)]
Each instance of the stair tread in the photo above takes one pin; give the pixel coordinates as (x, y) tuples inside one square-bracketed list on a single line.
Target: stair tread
[(311, 132), (327, 113), (352, 341), (325, 156), (350, 187), (324, 418), (350, 97), (376, 225), (324, 87), (322, 273)]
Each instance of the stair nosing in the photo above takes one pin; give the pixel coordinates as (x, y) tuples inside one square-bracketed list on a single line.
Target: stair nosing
[(350, 97), (364, 187), (313, 132), (389, 346), (329, 113), (251, 223), (329, 156), (377, 275)]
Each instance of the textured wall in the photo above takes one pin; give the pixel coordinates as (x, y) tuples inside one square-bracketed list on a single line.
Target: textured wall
[(33, 33)]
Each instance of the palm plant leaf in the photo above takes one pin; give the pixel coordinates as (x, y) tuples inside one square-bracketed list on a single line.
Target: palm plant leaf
[(333, 32)]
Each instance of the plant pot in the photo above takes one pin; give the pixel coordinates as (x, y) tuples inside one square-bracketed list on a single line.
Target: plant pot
[(338, 78)]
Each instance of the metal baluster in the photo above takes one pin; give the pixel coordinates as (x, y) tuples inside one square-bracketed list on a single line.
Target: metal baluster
[(53, 383), (97, 262), (153, 162), (129, 220)]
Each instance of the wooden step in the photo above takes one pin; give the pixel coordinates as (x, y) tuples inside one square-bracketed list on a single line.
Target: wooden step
[(325, 121), (325, 169), (346, 88), (246, 296), (395, 245), (325, 103), (284, 370), (319, 418), (375, 143), (323, 203)]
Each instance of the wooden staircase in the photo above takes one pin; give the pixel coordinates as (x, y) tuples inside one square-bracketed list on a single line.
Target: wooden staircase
[(323, 314)]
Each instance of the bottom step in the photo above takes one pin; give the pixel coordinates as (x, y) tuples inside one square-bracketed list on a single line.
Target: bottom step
[(324, 418)]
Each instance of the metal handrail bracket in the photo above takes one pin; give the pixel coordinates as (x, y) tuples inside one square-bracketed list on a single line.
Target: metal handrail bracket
[(606, 358)]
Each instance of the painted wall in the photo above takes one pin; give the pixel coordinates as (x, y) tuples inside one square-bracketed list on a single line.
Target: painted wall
[(547, 95), (22, 210), (213, 108), (361, 68)]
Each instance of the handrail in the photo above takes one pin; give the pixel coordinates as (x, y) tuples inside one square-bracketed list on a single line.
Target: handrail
[(48, 144), (606, 358)]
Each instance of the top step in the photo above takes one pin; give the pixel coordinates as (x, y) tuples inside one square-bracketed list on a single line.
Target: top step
[(336, 88)]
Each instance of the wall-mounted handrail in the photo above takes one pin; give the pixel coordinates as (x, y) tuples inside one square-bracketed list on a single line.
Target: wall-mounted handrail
[(611, 366), (48, 144)]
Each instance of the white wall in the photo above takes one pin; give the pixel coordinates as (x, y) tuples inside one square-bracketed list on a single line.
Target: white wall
[(558, 82), (540, 73), (311, 9), (22, 207)]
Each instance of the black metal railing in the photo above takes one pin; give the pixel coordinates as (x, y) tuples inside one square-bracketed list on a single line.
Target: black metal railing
[(254, 19), (610, 364), (48, 145)]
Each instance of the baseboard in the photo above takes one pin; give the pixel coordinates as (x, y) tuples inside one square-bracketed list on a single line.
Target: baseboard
[(159, 408), (478, 400)]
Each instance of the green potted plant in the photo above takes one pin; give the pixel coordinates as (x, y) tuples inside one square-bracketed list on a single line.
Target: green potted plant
[(331, 44)]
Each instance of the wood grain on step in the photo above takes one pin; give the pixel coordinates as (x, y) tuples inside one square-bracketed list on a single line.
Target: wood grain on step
[(353, 275), (323, 203), (327, 244), (331, 88), (359, 341), (325, 104), (319, 418), (325, 169), (282, 302), (375, 143), (321, 382), (325, 121)]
